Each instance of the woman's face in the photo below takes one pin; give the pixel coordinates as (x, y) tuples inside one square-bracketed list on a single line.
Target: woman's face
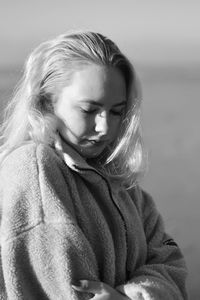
[(90, 108)]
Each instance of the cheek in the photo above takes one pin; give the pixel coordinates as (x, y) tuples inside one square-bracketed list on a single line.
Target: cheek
[(114, 127), (77, 124)]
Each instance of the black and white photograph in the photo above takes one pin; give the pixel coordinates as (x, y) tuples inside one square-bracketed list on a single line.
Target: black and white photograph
[(99, 150)]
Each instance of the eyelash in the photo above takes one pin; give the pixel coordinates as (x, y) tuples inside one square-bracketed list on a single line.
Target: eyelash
[(90, 112)]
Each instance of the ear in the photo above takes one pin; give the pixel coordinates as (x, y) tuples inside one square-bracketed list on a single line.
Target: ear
[(45, 103)]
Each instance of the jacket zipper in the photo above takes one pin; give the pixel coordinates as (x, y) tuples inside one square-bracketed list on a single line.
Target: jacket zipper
[(117, 207)]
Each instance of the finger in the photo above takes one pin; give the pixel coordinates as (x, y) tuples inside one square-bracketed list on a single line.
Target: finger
[(81, 285), (88, 286)]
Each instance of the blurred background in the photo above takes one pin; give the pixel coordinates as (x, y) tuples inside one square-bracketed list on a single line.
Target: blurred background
[(162, 39)]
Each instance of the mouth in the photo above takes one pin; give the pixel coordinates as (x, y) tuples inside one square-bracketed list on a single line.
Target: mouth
[(97, 142)]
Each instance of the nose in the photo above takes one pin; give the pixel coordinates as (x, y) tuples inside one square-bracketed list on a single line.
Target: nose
[(101, 123)]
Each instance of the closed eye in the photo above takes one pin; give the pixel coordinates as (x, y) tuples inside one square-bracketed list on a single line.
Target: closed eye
[(117, 113), (88, 111), (94, 111)]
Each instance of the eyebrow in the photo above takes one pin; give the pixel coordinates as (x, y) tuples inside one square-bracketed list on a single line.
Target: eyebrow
[(100, 104)]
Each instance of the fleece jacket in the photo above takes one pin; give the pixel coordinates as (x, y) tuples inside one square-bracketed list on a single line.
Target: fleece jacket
[(62, 221)]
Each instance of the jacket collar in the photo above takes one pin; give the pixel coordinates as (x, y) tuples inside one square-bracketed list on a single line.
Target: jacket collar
[(77, 163), (71, 157)]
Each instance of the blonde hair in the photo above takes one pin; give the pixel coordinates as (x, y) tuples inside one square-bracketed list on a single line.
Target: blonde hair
[(30, 115)]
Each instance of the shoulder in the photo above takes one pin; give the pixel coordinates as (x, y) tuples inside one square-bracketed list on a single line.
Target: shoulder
[(28, 156), (19, 163), (142, 200), (24, 166), (147, 209), (29, 176)]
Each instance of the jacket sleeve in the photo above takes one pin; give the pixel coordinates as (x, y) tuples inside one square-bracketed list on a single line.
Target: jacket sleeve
[(43, 250), (164, 273)]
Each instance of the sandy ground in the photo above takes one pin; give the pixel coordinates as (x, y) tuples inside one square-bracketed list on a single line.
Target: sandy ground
[(171, 108)]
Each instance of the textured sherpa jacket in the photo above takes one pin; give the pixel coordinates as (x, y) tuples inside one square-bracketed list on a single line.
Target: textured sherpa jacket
[(61, 221)]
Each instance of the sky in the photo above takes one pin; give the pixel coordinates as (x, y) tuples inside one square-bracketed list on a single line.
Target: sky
[(150, 31)]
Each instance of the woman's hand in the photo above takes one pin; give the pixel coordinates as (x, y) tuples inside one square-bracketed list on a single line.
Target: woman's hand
[(101, 291)]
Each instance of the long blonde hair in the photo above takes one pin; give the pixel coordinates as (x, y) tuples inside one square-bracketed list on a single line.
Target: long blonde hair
[(30, 115)]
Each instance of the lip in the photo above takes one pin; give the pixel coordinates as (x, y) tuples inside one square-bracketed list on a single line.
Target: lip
[(97, 142)]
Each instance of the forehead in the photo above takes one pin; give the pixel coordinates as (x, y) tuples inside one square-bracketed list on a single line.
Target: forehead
[(96, 83)]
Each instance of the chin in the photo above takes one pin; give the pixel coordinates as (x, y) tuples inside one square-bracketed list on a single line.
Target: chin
[(86, 153), (90, 155)]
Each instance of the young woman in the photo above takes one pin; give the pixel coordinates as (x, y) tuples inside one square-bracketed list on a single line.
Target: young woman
[(74, 222)]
